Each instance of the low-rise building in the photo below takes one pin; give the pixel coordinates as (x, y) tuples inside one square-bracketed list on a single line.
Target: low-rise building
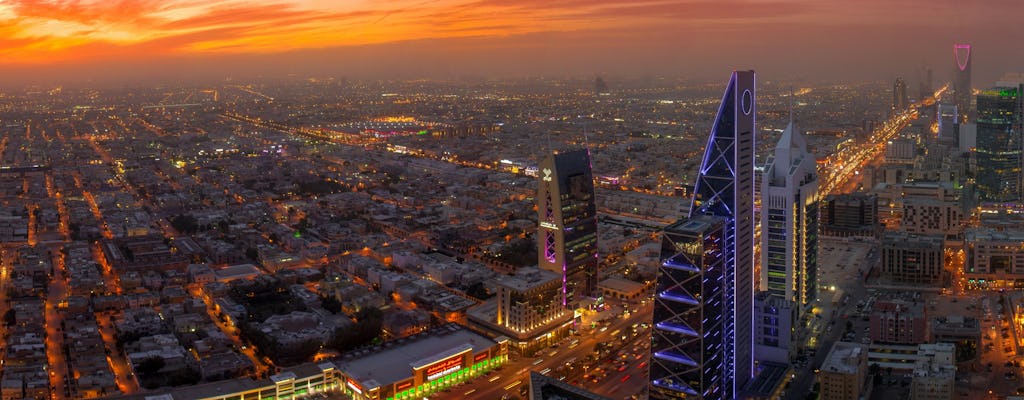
[(899, 322), (844, 373)]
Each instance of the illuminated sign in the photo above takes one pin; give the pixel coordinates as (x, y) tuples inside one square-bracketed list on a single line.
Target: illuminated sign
[(402, 386), (444, 367), (354, 385), (479, 357), (548, 225)]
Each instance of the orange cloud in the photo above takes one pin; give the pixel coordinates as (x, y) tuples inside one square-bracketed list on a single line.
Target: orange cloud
[(61, 31), (50, 31)]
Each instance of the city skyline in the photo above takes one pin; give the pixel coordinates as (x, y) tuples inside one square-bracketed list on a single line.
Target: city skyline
[(139, 40)]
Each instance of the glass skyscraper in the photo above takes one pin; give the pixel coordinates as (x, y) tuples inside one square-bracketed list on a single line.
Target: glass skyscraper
[(567, 233), (687, 352), (723, 269), (999, 144)]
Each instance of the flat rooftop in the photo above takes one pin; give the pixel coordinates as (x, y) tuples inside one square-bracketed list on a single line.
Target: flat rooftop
[(844, 358), (528, 278), (388, 365), (621, 285)]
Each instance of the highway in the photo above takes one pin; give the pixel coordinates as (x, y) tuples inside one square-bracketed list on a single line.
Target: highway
[(836, 170), (494, 386)]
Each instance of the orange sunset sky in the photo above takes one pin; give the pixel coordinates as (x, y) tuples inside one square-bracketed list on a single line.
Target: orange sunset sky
[(408, 38)]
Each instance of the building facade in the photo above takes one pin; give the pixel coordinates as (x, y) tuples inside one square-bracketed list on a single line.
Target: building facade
[(691, 287), (900, 101), (899, 322), (773, 328), (912, 258), (931, 216), (789, 222), (530, 303), (935, 374), (844, 372), (711, 358), (567, 233), (999, 144), (994, 259), (949, 124), (853, 214)]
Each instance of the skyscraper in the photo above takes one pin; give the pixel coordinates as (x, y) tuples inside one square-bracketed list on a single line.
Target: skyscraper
[(789, 221), (962, 80), (567, 236), (688, 356), (900, 101), (949, 124), (999, 144), (724, 270)]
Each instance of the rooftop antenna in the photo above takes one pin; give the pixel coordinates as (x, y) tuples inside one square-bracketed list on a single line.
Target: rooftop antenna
[(550, 149), (586, 139), (792, 100)]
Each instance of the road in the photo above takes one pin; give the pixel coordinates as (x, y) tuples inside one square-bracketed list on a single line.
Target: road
[(517, 370), (838, 263), (837, 169), (57, 292)]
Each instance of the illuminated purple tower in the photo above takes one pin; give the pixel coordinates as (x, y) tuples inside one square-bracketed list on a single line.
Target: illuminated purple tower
[(702, 341), (962, 80), (567, 232)]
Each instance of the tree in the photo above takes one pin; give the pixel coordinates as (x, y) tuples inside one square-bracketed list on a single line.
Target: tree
[(252, 254), (10, 318), (331, 304), (478, 291), (150, 366)]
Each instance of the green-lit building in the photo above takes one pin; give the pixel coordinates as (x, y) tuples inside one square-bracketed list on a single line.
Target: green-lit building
[(999, 144)]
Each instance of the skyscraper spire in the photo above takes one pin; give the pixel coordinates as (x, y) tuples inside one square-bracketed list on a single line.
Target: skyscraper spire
[(707, 266)]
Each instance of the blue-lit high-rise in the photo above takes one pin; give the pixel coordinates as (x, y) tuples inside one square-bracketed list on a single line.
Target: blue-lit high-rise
[(702, 345)]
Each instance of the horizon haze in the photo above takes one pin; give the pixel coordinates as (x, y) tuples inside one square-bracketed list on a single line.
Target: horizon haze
[(142, 41)]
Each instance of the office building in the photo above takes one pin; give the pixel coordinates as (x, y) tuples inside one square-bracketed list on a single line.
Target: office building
[(853, 214), (962, 80), (789, 222), (912, 258), (567, 236), (994, 258), (708, 265), (931, 216), (934, 374), (844, 373), (949, 124), (688, 353), (527, 309), (900, 101), (773, 328), (899, 322), (999, 143), (901, 151)]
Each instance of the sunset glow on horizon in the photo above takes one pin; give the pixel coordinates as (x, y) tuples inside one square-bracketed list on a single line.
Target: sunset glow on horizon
[(42, 32), (86, 39)]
